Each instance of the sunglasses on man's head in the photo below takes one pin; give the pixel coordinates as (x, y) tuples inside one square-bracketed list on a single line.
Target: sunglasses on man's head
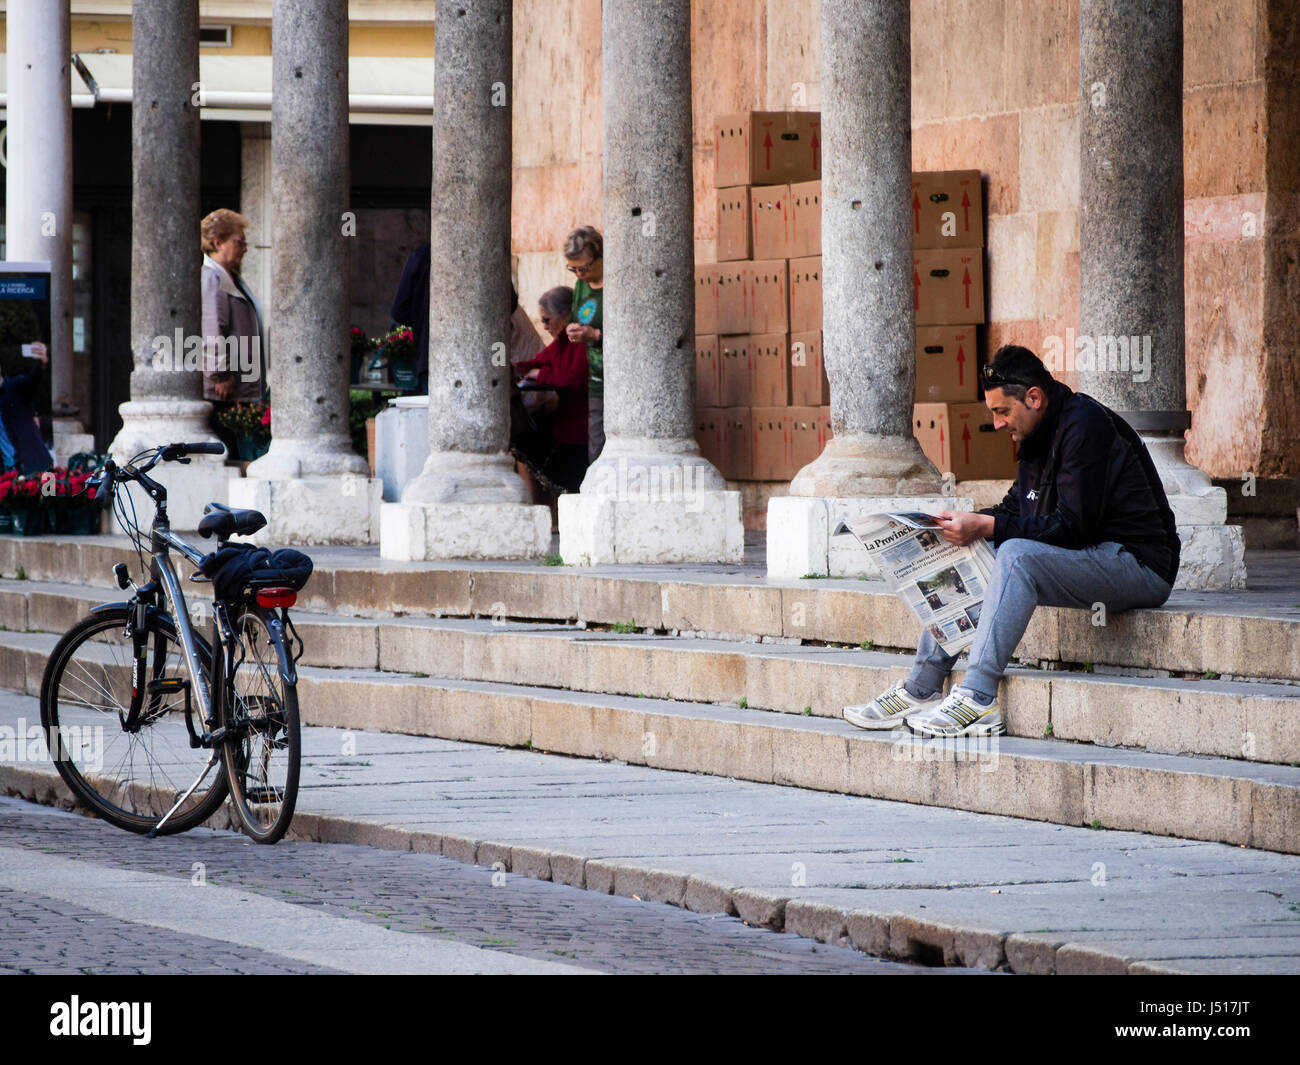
[(993, 379)]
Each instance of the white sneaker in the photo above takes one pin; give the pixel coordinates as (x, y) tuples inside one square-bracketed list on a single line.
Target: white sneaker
[(960, 715), (888, 710)]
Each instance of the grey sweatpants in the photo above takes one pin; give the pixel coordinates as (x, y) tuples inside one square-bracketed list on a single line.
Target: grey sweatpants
[(1028, 573)]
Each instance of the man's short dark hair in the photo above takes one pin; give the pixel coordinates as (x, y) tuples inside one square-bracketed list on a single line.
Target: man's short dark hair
[(1016, 370)]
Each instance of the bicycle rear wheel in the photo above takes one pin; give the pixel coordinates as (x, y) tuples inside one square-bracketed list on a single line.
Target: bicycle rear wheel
[(130, 778), (263, 751)]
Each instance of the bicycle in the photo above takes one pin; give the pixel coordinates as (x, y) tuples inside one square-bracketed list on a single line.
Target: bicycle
[(134, 701)]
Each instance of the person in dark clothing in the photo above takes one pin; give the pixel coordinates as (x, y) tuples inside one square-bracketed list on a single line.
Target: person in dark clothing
[(411, 307), (1086, 523), (18, 397)]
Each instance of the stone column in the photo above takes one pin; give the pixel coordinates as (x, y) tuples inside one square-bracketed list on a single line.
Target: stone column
[(1130, 349), (167, 402), (873, 459), (38, 191), (650, 496), (468, 501), (311, 485)]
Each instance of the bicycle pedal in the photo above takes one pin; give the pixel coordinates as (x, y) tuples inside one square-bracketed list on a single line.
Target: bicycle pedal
[(216, 737), (263, 795), (165, 685)]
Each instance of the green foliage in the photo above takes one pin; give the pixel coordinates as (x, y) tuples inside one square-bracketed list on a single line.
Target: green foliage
[(625, 626), (554, 560), (866, 645), (814, 577), (21, 575), (744, 703)]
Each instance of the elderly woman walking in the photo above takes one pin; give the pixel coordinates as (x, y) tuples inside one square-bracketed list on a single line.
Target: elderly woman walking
[(234, 366)]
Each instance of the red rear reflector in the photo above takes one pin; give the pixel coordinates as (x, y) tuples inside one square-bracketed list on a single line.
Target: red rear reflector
[(276, 597)]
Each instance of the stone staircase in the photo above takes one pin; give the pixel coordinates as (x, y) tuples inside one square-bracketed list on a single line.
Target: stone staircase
[(1182, 722)]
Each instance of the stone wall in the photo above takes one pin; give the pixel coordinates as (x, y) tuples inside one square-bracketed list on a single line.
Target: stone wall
[(995, 86)]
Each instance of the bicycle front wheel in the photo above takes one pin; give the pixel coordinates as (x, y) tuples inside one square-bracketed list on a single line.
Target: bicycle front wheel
[(128, 776), (262, 751)]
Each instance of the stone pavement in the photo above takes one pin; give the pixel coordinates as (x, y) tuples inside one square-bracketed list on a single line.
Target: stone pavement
[(188, 904), (922, 883)]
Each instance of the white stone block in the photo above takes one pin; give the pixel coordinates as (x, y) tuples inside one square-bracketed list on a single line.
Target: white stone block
[(797, 549), (1213, 557), (415, 532), (312, 510), (600, 530), (1205, 508), (797, 533), (401, 444)]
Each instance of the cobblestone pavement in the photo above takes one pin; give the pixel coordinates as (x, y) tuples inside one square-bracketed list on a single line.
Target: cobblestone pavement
[(420, 894)]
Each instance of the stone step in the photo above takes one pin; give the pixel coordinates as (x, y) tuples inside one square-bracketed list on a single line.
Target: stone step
[(1201, 798), (1257, 722), (1234, 635)]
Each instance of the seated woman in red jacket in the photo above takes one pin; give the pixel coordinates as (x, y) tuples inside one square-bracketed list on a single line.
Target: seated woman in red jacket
[(556, 451)]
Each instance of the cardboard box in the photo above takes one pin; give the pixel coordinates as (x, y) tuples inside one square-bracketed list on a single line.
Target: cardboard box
[(948, 286), (733, 223), (769, 369), (771, 444), (806, 208), (706, 299), (960, 439), (804, 436), (946, 369), (808, 384), (767, 148), (771, 221), (733, 371), (733, 298), (824, 433), (737, 463), (711, 434), (806, 295), (947, 209), (767, 285), (708, 372)]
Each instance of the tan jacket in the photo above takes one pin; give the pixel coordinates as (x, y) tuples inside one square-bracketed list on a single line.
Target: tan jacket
[(233, 346)]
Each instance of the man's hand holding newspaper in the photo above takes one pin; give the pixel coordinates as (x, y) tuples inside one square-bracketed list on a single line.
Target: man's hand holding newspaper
[(963, 528)]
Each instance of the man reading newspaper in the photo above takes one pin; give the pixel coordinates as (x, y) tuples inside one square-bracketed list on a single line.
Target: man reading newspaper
[(1085, 522)]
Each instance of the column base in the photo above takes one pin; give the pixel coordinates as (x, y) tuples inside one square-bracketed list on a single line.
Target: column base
[(462, 477), (799, 540), (868, 466), (70, 439), (1213, 558), (418, 532), (311, 510), (205, 479), (599, 530)]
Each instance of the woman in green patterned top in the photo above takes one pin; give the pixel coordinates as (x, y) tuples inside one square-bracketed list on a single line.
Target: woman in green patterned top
[(584, 251)]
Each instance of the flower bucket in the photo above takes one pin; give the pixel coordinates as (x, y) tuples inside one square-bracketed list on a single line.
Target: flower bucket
[(6, 523), (249, 447), (30, 521)]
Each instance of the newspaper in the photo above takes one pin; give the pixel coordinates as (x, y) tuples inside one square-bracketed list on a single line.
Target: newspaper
[(942, 583)]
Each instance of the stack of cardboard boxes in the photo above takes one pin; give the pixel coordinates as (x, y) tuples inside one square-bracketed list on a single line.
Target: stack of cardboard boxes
[(762, 398), (955, 430)]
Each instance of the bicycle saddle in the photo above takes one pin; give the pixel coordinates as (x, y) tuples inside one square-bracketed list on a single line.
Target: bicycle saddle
[(226, 521)]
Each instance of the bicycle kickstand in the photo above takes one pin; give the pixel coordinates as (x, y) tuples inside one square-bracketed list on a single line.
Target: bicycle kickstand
[(153, 832)]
